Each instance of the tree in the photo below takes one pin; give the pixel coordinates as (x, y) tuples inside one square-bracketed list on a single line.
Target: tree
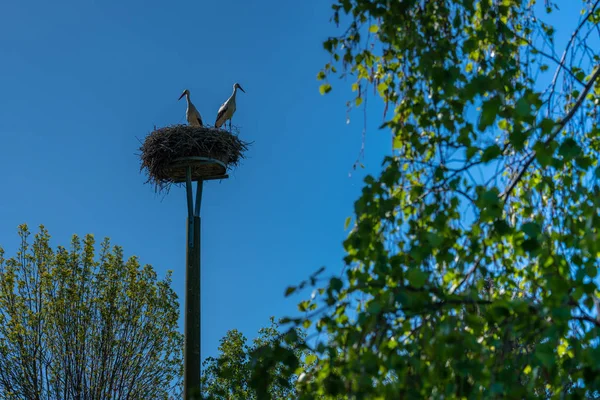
[(229, 375), (471, 269), (77, 326)]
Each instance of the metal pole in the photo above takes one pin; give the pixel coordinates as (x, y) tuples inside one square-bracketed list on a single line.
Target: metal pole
[(192, 360), (198, 248)]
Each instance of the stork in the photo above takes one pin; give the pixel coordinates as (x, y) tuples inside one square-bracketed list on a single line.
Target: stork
[(191, 114), (228, 108)]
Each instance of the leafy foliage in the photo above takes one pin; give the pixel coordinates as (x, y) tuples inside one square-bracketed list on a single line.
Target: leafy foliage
[(471, 271), (229, 376), (73, 325)]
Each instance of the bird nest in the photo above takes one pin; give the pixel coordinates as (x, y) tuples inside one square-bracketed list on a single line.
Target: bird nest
[(167, 153)]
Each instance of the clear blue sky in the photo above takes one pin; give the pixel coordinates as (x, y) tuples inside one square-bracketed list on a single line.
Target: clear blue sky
[(80, 81)]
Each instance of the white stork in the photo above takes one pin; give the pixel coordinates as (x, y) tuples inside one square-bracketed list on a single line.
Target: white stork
[(228, 108), (191, 114)]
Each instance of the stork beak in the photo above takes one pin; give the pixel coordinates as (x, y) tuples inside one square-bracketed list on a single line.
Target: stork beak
[(242, 89), (182, 94)]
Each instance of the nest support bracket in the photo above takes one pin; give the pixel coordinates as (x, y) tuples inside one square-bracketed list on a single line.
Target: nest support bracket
[(193, 206), (182, 167)]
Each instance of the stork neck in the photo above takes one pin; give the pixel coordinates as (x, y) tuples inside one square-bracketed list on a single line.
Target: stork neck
[(234, 92), (187, 97)]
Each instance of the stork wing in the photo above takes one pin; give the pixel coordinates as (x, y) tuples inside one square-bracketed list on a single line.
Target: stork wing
[(221, 113), (197, 115)]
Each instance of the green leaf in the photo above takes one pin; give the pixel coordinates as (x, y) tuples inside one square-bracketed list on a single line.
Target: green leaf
[(531, 229), (591, 271), (523, 107), (374, 307), (416, 277), (318, 272), (502, 227), (471, 151), (583, 162), (545, 356), (517, 137), (434, 239), (579, 73), (382, 87), (543, 154), (530, 245), (310, 359), (569, 149), (303, 306), (491, 152), (290, 290), (489, 111), (499, 311), (347, 222), (548, 262), (374, 29), (561, 313), (547, 125), (321, 75), (325, 88), (490, 197), (336, 284)]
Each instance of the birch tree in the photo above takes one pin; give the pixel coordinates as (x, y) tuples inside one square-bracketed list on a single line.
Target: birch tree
[(76, 324)]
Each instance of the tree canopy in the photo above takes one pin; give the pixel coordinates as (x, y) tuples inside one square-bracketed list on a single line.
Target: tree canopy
[(75, 324), (471, 268), (229, 375)]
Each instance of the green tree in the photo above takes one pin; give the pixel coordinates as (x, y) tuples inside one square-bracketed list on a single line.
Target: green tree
[(229, 375), (74, 325), (471, 269)]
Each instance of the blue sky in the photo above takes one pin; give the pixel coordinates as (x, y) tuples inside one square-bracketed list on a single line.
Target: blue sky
[(81, 81)]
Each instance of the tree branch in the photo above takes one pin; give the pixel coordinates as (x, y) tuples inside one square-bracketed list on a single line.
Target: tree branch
[(558, 128), (564, 55)]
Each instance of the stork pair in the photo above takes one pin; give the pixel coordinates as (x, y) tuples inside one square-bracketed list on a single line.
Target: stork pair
[(225, 112)]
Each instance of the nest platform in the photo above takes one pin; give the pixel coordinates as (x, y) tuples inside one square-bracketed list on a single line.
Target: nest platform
[(167, 153)]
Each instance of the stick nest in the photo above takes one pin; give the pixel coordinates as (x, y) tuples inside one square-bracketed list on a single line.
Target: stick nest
[(163, 147)]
